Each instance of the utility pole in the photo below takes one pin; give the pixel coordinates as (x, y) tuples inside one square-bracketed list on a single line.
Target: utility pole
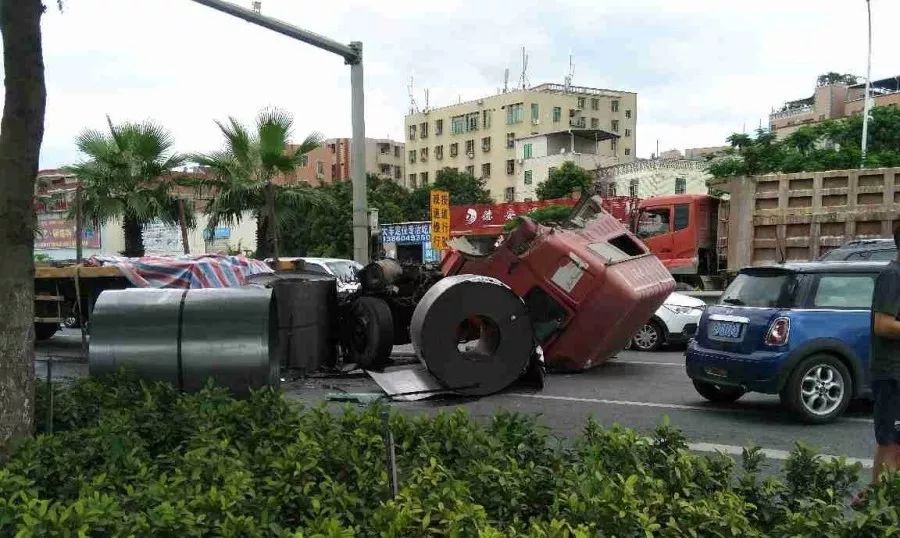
[(352, 55), (865, 128)]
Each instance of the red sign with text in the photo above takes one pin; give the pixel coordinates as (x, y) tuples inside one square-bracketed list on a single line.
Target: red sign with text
[(60, 233), (488, 219)]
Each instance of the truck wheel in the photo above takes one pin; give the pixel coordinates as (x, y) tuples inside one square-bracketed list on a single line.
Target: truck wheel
[(45, 331), (818, 390), (718, 393), (648, 338), (371, 333)]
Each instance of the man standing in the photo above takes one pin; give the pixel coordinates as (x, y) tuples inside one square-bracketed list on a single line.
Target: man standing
[(885, 366)]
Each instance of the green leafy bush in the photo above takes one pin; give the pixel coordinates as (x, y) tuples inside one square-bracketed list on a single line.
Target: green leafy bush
[(135, 459)]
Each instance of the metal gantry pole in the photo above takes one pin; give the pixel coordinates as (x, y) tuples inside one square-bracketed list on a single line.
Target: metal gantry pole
[(352, 55), (865, 127)]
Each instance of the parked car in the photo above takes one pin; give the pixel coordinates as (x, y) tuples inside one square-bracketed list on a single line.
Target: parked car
[(799, 330), (863, 250), (675, 322)]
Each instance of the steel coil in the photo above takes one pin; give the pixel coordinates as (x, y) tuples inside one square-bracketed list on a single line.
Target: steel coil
[(187, 337)]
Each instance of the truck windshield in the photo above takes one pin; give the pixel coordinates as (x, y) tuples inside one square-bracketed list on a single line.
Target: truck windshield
[(761, 289), (345, 271)]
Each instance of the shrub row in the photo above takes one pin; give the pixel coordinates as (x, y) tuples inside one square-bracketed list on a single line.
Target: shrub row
[(135, 459)]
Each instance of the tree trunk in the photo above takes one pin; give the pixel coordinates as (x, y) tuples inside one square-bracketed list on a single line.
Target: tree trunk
[(263, 238), (134, 240), (273, 220), (21, 132)]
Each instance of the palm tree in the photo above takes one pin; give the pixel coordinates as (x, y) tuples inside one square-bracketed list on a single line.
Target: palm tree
[(124, 178), (243, 175)]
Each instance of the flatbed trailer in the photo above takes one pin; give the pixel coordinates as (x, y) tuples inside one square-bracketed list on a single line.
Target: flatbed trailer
[(61, 292)]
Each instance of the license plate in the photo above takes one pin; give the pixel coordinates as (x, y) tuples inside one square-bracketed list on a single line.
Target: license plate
[(725, 329)]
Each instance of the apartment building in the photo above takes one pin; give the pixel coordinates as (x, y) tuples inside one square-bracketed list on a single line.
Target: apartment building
[(330, 162), (537, 156), (832, 101), (645, 178), (479, 136)]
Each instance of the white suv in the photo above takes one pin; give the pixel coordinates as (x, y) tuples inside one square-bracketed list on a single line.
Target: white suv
[(673, 323)]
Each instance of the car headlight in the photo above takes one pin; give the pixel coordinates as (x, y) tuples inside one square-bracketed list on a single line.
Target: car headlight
[(684, 310)]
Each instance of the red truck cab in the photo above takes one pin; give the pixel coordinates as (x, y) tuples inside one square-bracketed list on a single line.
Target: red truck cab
[(588, 285), (680, 230)]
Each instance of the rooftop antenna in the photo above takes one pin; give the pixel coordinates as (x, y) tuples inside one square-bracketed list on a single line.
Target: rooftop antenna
[(571, 74), (426, 100), (257, 7), (523, 80), (413, 107), (506, 80)]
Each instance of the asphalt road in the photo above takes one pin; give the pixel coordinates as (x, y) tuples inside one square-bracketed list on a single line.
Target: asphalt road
[(636, 390)]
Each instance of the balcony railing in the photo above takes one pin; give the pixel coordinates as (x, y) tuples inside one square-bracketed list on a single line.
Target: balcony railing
[(791, 112)]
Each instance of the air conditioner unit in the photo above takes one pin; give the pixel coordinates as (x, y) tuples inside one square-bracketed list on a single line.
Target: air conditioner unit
[(535, 122), (520, 161), (471, 155)]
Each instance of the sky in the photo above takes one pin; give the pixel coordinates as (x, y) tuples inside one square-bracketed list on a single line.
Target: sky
[(702, 69)]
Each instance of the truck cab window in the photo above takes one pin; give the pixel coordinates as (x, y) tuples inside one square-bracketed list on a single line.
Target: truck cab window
[(682, 216), (654, 221), (547, 315)]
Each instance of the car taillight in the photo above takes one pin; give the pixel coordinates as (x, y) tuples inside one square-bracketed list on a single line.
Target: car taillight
[(778, 332)]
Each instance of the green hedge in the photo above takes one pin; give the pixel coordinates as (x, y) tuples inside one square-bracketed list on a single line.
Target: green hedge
[(131, 459)]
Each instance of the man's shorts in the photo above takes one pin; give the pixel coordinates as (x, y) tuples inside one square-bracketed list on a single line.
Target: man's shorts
[(886, 393)]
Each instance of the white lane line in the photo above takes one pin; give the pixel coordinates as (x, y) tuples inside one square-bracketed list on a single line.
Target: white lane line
[(771, 453), (649, 363), (680, 407)]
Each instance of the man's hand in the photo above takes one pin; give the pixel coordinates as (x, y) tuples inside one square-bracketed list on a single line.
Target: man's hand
[(886, 326)]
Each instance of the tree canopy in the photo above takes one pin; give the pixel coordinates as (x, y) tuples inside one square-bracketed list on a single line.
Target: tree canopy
[(464, 188), (836, 78), (563, 181), (827, 145)]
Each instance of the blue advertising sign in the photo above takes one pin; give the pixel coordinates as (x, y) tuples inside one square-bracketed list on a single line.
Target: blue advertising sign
[(412, 233)]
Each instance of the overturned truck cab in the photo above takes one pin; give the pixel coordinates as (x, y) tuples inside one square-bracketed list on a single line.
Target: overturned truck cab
[(588, 283)]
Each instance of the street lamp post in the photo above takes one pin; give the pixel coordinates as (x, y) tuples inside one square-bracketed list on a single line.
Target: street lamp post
[(865, 126), (352, 55)]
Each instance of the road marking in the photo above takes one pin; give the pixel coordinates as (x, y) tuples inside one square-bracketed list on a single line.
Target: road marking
[(771, 453), (680, 407)]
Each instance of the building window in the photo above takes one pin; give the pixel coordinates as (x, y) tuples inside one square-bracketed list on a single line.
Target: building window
[(557, 114), (528, 176), (486, 170), (412, 181), (304, 160), (535, 112), (424, 178), (470, 148), (680, 185), (438, 127), (614, 105), (458, 124), (423, 156), (595, 103), (627, 151), (615, 126), (595, 123), (515, 113), (412, 135), (633, 188), (486, 144), (510, 194), (486, 119), (397, 151), (320, 169), (526, 151), (510, 140), (611, 189), (581, 102), (439, 152), (627, 132), (412, 156), (398, 173), (628, 113), (510, 166), (613, 144), (454, 149), (423, 128), (470, 169), (472, 121)]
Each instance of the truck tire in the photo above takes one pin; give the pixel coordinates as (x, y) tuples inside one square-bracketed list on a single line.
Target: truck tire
[(819, 389), (371, 333), (718, 393), (45, 331)]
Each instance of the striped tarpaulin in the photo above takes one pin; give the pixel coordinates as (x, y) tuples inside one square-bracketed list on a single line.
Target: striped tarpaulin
[(207, 271)]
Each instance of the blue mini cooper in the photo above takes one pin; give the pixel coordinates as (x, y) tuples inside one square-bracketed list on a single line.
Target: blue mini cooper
[(800, 330)]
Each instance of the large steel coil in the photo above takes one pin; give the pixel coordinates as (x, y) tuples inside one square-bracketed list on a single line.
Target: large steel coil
[(473, 333), (186, 337)]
